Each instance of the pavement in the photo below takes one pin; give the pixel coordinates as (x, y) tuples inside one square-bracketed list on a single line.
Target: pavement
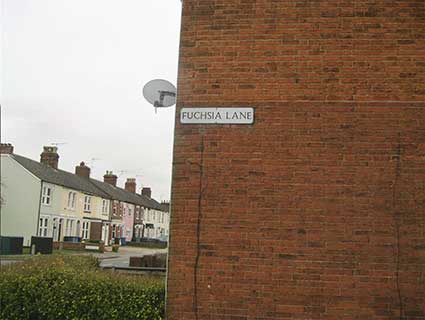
[(107, 259)]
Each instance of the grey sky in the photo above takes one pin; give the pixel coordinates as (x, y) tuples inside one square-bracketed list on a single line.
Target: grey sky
[(72, 71)]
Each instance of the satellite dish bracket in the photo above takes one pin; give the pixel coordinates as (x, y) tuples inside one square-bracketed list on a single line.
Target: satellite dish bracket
[(160, 93)]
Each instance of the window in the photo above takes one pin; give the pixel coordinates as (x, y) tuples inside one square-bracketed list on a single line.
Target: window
[(46, 196), (114, 207), (86, 226), (105, 205), (129, 211), (142, 211), (42, 227), (69, 227), (71, 199), (87, 204)]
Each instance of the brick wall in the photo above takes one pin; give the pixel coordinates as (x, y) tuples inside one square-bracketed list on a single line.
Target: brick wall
[(317, 210)]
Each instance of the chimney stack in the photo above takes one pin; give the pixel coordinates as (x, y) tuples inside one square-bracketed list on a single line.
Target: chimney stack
[(6, 148), (165, 205), (146, 191), (130, 185), (50, 156), (82, 170), (110, 178)]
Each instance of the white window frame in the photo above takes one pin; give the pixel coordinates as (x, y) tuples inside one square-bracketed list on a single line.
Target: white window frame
[(87, 203), (105, 205), (69, 227), (46, 195), (86, 229), (43, 224), (72, 195)]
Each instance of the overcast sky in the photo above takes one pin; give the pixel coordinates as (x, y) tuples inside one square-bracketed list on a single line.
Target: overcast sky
[(72, 72)]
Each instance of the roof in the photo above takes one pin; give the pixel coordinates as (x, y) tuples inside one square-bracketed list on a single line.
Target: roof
[(59, 177), (91, 186)]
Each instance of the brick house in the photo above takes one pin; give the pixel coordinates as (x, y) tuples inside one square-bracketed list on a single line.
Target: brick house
[(315, 211)]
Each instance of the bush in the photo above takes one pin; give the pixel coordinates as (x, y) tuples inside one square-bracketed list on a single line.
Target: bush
[(72, 287), (115, 248)]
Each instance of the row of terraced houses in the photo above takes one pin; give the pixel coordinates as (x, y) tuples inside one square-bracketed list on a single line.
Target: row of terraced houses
[(39, 199)]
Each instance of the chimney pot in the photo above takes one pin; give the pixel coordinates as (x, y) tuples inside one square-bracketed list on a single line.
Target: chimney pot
[(6, 148), (110, 178), (146, 191), (82, 170), (50, 156), (130, 185)]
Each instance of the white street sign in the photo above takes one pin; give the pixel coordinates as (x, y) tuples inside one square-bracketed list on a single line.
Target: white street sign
[(217, 115)]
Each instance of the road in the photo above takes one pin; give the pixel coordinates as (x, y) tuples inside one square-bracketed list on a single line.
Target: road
[(122, 257)]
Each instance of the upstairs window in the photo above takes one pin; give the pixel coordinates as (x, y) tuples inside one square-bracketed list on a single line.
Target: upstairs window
[(87, 204), (105, 205), (71, 199), (46, 195), (129, 211)]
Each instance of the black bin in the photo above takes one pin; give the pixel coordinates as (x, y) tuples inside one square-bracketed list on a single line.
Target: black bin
[(42, 245), (11, 245)]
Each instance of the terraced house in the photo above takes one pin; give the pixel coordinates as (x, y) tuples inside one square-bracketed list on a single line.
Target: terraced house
[(42, 200)]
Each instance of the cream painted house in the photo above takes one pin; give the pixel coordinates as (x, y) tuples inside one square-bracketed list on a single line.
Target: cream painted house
[(156, 223), (20, 205), (41, 200)]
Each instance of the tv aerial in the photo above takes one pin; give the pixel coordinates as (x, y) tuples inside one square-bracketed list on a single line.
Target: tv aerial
[(160, 93)]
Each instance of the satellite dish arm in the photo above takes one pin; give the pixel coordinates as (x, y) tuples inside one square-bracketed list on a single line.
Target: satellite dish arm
[(162, 95)]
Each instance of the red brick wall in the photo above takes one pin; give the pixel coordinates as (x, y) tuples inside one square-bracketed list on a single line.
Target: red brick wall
[(317, 210)]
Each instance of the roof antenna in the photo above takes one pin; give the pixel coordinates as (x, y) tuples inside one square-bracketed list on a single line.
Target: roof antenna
[(160, 93), (58, 143)]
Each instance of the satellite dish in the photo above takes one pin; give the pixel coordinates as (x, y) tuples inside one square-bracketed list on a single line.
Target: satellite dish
[(160, 93)]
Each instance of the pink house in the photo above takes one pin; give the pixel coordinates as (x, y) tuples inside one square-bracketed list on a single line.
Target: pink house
[(128, 220)]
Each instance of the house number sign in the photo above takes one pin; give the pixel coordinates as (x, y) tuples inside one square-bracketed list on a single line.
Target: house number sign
[(217, 115)]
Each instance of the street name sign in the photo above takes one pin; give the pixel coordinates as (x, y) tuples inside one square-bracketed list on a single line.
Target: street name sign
[(222, 115)]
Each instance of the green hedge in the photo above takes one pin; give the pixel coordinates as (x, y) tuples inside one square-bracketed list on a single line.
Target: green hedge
[(72, 287)]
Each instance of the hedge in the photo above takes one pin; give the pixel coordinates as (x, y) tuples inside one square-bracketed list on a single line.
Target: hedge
[(72, 287)]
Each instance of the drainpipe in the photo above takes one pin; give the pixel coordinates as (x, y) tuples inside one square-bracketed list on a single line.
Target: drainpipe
[(39, 208)]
